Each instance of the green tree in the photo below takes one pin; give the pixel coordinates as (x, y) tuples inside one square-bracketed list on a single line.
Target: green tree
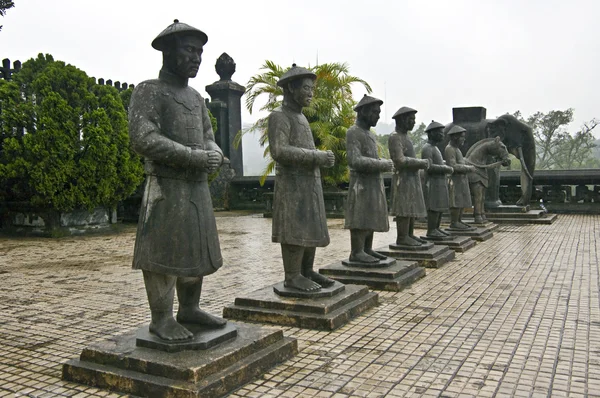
[(330, 113), (556, 147), (5, 5), (63, 139)]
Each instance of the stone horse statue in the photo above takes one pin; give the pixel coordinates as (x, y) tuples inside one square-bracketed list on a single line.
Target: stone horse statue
[(479, 155), (516, 135)]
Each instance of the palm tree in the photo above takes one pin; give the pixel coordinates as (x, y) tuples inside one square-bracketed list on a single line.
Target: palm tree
[(330, 113)]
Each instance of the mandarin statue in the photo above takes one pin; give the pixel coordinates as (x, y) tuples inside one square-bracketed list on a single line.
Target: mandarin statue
[(436, 185), (407, 193), (299, 221), (460, 194), (366, 211), (177, 242)]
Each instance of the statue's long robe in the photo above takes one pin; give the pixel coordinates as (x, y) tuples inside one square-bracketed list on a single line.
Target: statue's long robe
[(407, 193), (436, 182), (177, 232), (298, 207), (366, 207), (460, 194)]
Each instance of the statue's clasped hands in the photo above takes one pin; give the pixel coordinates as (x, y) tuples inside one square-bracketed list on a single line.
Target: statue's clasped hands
[(213, 161), (388, 165), (330, 159)]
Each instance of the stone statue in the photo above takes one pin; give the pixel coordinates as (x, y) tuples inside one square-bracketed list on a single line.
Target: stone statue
[(177, 242), (478, 156), (460, 195), (436, 185), (366, 211), (407, 193), (299, 221)]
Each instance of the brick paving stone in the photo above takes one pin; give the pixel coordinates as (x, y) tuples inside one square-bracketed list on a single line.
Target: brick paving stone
[(518, 315)]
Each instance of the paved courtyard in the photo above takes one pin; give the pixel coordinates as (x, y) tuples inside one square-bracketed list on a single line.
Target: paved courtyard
[(518, 315)]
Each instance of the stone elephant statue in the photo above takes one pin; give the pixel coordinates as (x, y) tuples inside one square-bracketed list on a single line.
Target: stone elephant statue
[(516, 135)]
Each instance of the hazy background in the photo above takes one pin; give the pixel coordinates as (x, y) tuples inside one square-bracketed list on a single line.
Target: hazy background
[(430, 55)]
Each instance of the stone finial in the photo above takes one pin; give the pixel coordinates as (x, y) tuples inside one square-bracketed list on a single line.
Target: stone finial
[(225, 67)]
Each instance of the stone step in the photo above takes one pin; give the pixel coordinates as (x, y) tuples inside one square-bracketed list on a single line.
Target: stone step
[(322, 313), (216, 379)]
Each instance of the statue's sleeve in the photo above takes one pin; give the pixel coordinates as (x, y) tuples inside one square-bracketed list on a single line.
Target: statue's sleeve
[(397, 154), (279, 129), (452, 161), (146, 137), (356, 160), (428, 152), (209, 135)]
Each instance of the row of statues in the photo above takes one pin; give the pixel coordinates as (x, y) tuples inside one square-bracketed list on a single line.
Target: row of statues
[(177, 242)]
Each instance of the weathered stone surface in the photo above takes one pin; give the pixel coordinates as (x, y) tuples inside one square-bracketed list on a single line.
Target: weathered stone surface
[(394, 277), (424, 247), (327, 313), (434, 257), (329, 291), (119, 365), (478, 234), (379, 264), (457, 243), (203, 339), (519, 215)]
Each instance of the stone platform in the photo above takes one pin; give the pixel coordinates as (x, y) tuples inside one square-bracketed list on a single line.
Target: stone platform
[(118, 364), (394, 276), (516, 316), (457, 243), (324, 311), (478, 234), (428, 255), (508, 214)]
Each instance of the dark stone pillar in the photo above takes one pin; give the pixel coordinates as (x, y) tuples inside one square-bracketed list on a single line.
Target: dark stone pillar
[(227, 108)]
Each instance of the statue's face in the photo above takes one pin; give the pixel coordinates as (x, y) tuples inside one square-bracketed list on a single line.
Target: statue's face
[(187, 56), (437, 135), (458, 139), (370, 114), (407, 121), (303, 94)]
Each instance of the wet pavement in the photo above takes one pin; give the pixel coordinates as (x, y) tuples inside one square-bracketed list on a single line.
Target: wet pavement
[(518, 315)]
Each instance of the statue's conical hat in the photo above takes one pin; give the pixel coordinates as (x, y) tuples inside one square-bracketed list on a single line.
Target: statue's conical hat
[(161, 41)]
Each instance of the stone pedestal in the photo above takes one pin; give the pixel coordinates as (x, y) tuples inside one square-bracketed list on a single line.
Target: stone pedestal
[(390, 274), (326, 309), (427, 255), (457, 243), (118, 364), (486, 225), (478, 234), (509, 214)]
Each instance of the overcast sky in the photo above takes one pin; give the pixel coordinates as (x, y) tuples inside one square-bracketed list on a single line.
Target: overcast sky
[(504, 55)]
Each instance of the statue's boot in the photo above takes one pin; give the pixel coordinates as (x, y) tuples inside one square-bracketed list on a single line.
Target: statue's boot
[(478, 218), (160, 289), (292, 265), (308, 260), (369, 247), (403, 229), (436, 233), (411, 231), (188, 294)]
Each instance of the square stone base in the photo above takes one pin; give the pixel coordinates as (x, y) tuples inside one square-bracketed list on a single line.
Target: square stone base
[(117, 364), (478, 234), (434, 257), (325, 313), (394, 277), (457, 243)]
